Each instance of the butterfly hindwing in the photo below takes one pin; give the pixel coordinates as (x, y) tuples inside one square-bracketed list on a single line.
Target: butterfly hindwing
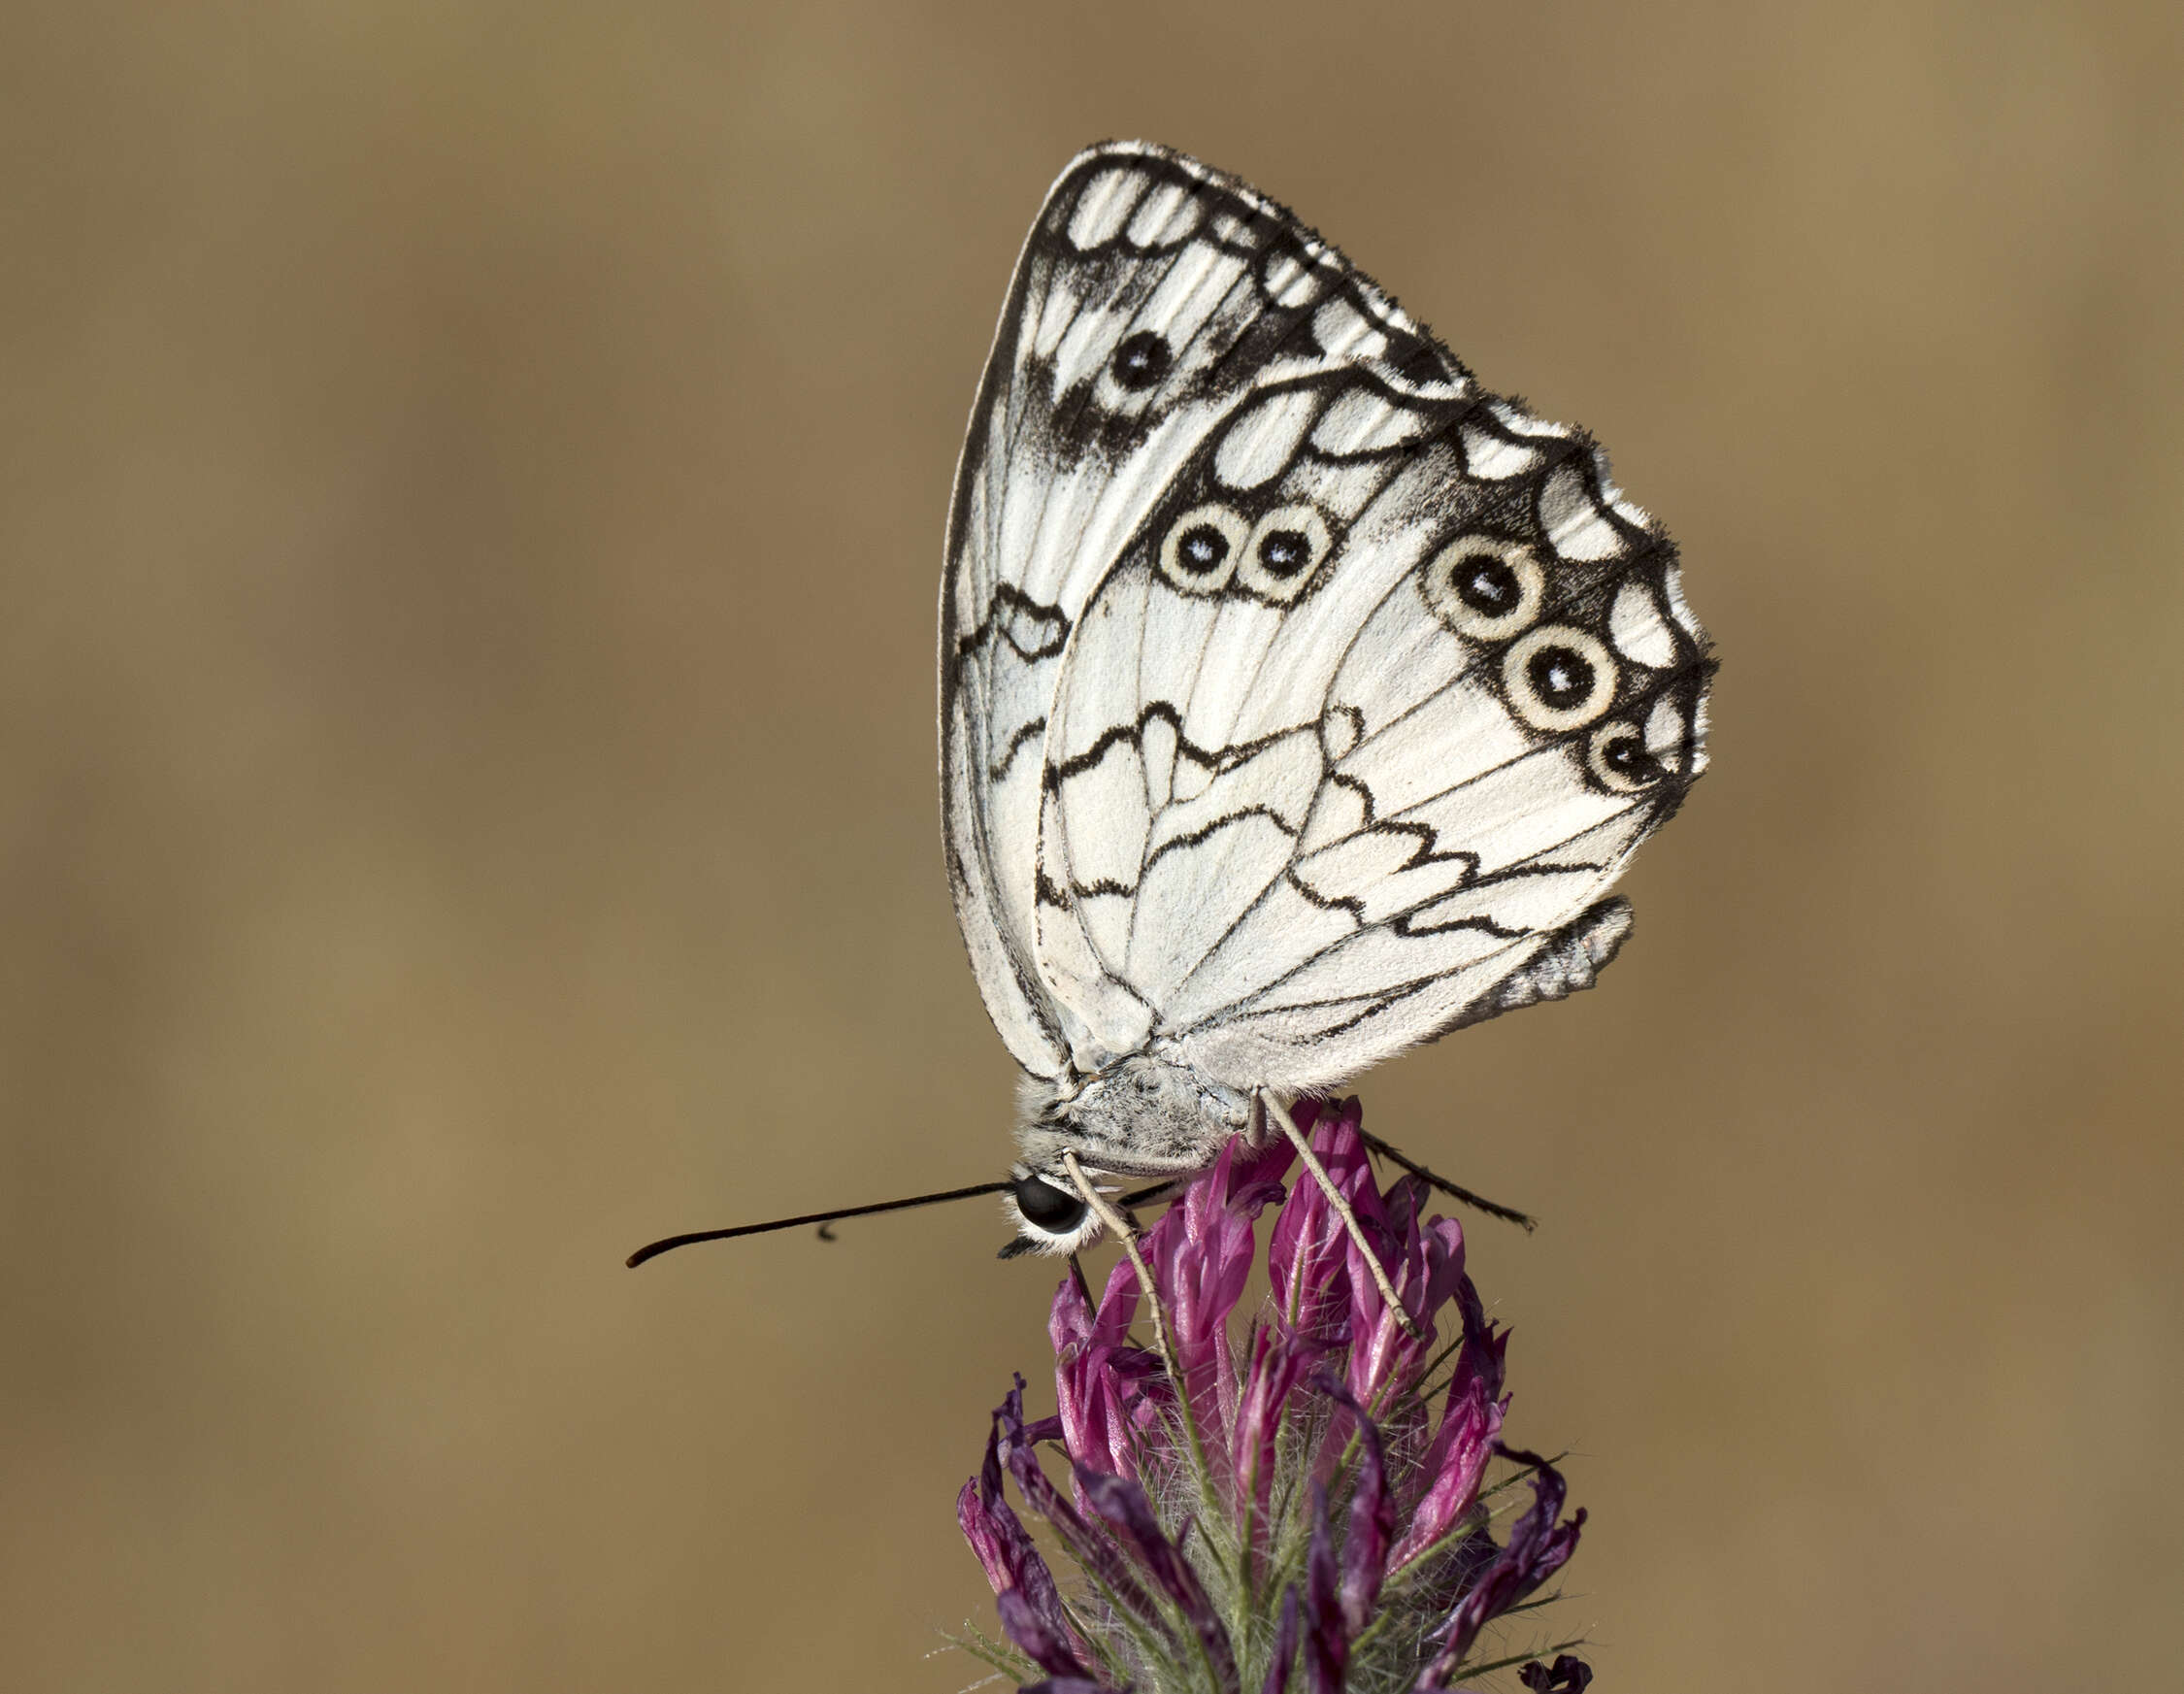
[(1149, 297), (1300, 700)]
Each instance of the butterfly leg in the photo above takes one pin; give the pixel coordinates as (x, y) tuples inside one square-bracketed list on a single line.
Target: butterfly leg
[(1454, 1191), (1267, 1107), (1349, 1219), (1119, 1226)]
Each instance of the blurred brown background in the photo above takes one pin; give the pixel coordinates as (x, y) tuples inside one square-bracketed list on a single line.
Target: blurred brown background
[(474, 482)]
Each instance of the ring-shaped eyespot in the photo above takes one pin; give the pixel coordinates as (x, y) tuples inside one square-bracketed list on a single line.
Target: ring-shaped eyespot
[(1200, 552), (1286, 547), (1046, 1207), (1484, 588), (1618, 759), (1558, 678)]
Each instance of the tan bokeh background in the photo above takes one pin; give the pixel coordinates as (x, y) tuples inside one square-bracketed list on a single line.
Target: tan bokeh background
[(473, 480)]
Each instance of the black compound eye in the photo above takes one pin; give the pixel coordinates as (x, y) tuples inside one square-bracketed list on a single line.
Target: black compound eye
[(1488, 586), (1284, 552), (1048, 1207), (1140, 361), (1561, 677), (1201, 549)]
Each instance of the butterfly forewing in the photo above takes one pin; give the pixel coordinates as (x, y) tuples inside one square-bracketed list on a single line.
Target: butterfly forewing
[(1300, 701)]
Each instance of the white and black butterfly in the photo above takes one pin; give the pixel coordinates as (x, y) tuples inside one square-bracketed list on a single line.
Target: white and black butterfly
[(1300, 700)]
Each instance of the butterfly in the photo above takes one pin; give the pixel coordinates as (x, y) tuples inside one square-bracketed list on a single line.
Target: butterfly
[(1300, 700)]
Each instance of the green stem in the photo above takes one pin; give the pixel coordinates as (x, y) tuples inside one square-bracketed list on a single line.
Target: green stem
[(1467, 1672)]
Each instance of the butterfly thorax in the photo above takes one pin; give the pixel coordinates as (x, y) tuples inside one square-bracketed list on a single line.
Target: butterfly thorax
[(1139, 1117)]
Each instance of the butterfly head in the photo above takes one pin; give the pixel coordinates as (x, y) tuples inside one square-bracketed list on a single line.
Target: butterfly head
[(1050, 1216), (1137, 1119)]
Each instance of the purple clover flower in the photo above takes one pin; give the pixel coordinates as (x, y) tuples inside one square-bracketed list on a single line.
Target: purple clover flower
[(1309, 1508)]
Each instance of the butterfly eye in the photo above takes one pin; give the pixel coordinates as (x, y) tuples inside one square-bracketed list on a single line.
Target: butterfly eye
[(1200, 552), (1619, 758), (1140, 361), (1285, 549), (1559, 678), (1047, 1207), (1484, 588)]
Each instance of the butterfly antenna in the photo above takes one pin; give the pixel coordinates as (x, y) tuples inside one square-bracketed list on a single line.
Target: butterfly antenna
[(1454, 1191), (821, 1218)]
